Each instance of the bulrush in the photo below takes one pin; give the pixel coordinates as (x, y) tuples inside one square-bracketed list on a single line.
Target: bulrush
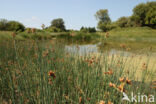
[(107, 35), (144, 66), (128, 81), (13, 35), (45, 53), (128, 49), (122, 45), (110, 72), (112, 85), (109, 102), (102, 102), (51, 73), (121, 79), (80, 100), (121, 87)]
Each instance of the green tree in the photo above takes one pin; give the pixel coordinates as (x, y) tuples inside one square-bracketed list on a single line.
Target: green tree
[(43, 26), (15, 26), (88, 30), (150, 18), (3, 24), (122, 22), (144, 14), (103, 19), (53, 29), (58, 23)]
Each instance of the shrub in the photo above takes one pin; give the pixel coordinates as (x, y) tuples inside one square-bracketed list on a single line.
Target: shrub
[(58, 23), (88, 30), (53, 29), (15, 26), (3, 24)]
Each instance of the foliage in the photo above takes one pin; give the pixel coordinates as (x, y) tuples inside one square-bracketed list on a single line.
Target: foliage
[(106, 27), (88, 30), (43, 26), (122, 22), (102, 16), (11, 25), (144, 14), (53, 29), (58, 23), (3, 24), (15, 26), (103, 19)]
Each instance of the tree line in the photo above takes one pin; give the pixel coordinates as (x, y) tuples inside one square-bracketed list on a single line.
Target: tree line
[(144, 14)]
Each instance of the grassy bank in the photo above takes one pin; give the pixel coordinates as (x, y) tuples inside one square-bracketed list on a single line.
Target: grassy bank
[(135, 39), (136, 34)]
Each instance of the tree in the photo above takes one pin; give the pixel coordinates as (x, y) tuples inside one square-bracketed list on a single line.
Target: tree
[(15, 26), (58, 23), (139, 14), (43, 26), (122, 22), (104, 26), (144, 14), (103, 19), (150, 18), (88, 30), (102, 15), (3, 24), (53, 29), (11, 25)]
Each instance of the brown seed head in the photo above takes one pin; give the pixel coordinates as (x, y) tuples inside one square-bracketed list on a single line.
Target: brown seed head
[(128, 81), (51, 73), (121, 79), (102, 102)]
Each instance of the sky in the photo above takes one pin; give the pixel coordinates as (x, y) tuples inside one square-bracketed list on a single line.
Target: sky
[(75, 13)]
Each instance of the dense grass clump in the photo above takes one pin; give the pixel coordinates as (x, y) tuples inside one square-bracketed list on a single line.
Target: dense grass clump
[(43, 72)]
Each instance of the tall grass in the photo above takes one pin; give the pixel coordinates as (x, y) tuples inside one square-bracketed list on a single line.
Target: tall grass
[(40, 72)]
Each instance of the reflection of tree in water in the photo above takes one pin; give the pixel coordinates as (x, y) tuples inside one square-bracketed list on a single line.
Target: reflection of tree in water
[(129, 47)]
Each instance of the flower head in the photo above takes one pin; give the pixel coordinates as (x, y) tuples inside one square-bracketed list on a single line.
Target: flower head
[(102, 102), (128, 81), (121, 79), (51, 73)]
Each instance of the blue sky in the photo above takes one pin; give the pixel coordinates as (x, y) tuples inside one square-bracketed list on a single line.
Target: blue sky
[(76, 13)]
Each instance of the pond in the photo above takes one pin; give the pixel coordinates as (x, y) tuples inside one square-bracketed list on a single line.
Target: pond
[(97, 48)]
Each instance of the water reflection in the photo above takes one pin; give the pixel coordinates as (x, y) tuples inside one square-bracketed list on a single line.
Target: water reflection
[(82, 49), (93, 48)]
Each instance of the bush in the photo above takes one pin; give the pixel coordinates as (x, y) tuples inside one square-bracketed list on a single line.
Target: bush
[(3, 24), (58, 23), (144, 14), (11, 25), (122, 22), (88, 30), (53, 29), (104, 27), (15, 26)]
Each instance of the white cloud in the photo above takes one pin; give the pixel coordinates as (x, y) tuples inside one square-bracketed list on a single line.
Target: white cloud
[(33, 22)]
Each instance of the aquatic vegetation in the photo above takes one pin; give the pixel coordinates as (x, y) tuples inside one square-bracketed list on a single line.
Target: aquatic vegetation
[(37, 71)]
